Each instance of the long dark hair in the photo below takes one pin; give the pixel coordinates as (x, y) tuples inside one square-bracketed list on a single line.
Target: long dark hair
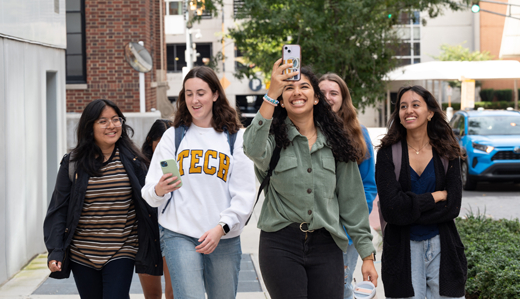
[(324, 119), (156, 131), (348, 113), (439, 131), (88, 155), (223, 114)]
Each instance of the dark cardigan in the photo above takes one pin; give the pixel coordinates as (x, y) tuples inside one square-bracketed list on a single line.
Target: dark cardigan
[(401, 208), (67, 203)]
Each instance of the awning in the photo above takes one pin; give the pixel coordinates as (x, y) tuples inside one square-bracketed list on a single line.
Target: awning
[(456, 70)]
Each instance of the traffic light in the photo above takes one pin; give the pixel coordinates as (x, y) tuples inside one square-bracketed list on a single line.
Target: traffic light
[(475, 6)]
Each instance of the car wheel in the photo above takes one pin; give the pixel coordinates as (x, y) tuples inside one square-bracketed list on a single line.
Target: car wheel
[(467, 182)]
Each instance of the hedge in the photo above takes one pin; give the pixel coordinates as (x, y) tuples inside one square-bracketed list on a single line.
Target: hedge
[(501, 95), (492, 248)]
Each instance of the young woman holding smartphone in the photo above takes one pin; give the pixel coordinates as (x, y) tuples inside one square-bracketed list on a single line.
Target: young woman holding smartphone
[(423, 255), (314, 191), (337, 94), (201, 221), (97, 223)]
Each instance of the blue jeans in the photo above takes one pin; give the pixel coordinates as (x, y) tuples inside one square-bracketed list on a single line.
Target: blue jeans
[(350, 258), (111, 282), (192, 272), (426, 259)]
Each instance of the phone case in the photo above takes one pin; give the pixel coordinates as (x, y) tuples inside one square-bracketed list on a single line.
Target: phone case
[(170, 166), (292, 54)]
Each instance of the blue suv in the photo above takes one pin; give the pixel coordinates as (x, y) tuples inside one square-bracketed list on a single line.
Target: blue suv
[(490, 144)]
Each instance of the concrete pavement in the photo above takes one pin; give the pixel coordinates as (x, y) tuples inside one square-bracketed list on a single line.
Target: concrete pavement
[(28, 280)]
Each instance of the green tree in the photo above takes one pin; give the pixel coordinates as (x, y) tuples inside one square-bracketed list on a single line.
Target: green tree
[(460, 53), (350, 37)]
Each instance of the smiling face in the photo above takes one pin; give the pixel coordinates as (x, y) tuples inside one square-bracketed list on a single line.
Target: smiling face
[(413, 111), (106, 138), (332, 93), (298, 97), (199, 100)]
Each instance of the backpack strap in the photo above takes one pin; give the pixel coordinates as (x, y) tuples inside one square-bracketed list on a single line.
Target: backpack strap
[(180, 132), (231, 138), (265, 182), (72, 167), (397, 156)]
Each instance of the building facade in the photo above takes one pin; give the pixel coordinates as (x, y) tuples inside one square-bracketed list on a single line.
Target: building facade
[(32, 123), (97, 33)]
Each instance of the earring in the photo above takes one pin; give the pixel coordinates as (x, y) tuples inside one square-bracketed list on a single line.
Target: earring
[(430, 119), (315, 102), (282, 105)]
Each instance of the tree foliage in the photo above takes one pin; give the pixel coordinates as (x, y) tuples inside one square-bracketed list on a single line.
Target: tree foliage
[(460, 53), (349, 37)]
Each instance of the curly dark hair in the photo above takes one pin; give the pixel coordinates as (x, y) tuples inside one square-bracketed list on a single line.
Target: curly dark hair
[(439, 131), (88, 155), (223, 114), (325, 119), (156, 131)]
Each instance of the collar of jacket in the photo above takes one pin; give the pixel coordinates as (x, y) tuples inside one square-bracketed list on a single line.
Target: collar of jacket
[(292, 132)]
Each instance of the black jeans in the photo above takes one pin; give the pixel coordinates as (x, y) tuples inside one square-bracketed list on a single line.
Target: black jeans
[(111, 282), (296, 264)]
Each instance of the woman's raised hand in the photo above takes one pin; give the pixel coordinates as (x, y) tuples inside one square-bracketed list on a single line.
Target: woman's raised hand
[(278, 82)]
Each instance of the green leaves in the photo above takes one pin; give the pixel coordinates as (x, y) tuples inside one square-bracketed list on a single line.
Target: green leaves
[(492, 249), (349, 37)]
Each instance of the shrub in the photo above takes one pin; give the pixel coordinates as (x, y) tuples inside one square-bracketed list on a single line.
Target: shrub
[(486, 95), (492, 249), (503, 95)]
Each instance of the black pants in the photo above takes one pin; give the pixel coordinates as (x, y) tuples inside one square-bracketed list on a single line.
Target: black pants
[(111, 282), (295, 264)]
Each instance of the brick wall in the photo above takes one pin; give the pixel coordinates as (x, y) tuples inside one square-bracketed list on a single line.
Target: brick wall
[(109, 26)]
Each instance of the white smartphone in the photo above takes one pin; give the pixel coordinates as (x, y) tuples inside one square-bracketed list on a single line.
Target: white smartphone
[(292, 54)]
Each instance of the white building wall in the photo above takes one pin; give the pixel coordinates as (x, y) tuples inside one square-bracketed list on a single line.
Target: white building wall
[(27, 96), (452, 28), (37, 21)]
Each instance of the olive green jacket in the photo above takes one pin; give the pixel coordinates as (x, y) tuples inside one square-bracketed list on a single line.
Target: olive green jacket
[(309, 186)]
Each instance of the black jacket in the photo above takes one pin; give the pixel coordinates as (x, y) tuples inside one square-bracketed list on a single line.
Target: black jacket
[(402, 208), (67, 203)]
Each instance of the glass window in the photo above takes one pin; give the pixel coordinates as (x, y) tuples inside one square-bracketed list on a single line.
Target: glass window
[(75, 54), (416, 33), (492, 125), (176, 56), (417, 60), (416, 49), (174, 8)]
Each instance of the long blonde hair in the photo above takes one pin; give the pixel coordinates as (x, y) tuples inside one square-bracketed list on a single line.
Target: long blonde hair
[(348, 113)]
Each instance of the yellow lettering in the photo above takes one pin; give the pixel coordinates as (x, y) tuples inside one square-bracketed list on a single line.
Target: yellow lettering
[(209, 170), (195, 156), (223, 166), (180, 159)]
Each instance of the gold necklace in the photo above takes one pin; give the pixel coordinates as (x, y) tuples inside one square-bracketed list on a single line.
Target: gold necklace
[(417, 151)]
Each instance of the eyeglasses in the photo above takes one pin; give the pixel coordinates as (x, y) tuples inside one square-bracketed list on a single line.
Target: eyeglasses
[(116, 121)]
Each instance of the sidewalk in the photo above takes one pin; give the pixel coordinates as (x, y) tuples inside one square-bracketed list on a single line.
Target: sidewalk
[(28, 280)]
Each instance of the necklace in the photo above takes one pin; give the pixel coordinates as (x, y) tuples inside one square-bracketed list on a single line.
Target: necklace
[(417, 151)]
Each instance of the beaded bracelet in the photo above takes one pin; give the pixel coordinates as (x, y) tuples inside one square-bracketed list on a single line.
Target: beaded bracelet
[(270, 100)]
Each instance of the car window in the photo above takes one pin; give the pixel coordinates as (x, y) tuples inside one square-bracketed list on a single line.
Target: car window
[(454, 123), (462, 125), (493, 125)]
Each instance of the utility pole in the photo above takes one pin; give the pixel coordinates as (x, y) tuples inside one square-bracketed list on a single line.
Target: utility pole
[(188, 56)]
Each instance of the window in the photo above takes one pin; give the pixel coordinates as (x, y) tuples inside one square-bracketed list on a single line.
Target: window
[(408, 29), (176, 59), (75, 53), (174, 8), (177, 8)]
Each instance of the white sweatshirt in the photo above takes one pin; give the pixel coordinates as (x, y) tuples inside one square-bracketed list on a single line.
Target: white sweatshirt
[(216, 186)]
